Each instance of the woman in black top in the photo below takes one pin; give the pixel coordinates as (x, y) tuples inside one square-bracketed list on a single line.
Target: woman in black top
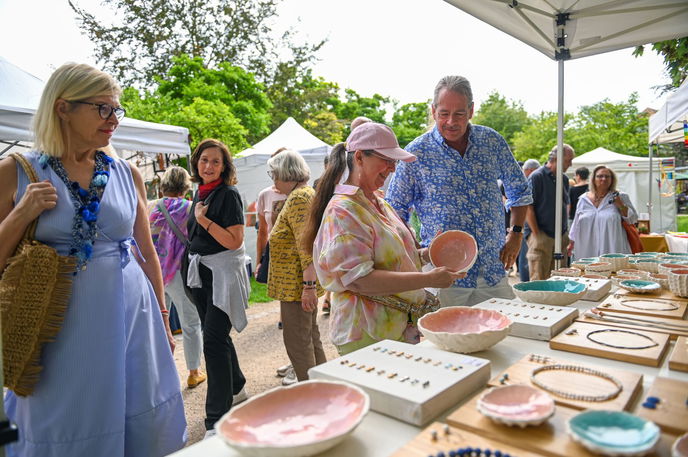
[(216, 265)]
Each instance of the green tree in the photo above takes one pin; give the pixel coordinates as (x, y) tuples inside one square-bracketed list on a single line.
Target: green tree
[(506, 117), (675, 54), (537, 137), (325, 126), (354, 105), (410, 120)]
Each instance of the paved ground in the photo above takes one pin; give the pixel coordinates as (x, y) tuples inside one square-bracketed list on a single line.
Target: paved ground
[(261, 351)]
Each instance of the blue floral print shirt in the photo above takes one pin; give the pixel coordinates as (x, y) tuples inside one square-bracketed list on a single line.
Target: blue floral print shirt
[(450, 192)]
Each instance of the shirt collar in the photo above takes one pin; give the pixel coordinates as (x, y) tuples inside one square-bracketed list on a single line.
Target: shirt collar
[(345, 189), (439, 139)]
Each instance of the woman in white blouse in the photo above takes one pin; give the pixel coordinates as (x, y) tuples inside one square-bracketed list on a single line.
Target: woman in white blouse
[(596, 227)]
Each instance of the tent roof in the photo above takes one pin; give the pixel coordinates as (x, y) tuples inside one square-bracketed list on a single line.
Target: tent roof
[(288, 135), (666, 125), (616, 161), (20, 93), (591, 26)]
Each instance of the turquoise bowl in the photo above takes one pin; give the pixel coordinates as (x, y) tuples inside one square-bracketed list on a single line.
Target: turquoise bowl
[(551, 292), (639, 285), (590, 259), (614, 433)]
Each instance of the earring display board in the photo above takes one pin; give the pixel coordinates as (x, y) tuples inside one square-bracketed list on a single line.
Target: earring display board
[(672, 327), (678, 360), (408, 382), (532, 320), (597, 288), (549, 439), (440, 437), (633, 346), (576, 383), (645, 305), (671, 411)]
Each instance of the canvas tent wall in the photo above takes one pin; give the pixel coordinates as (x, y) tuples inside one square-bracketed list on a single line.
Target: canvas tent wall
[(252, 168), (633, 175), (666, 125)]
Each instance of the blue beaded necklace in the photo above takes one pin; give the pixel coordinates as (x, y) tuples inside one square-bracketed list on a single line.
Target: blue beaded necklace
[(86, 204)]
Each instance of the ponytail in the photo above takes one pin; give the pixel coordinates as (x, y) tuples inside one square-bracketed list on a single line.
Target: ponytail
[(339, 161)]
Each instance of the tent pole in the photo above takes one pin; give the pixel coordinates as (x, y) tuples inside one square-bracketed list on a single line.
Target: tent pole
[(558, 256), (649, 196)]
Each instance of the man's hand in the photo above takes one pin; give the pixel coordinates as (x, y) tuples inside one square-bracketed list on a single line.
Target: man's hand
[(509, 252)]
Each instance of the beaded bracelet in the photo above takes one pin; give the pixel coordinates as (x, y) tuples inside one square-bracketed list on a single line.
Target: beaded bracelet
[(164, 312), (471, 452), (577, 369)]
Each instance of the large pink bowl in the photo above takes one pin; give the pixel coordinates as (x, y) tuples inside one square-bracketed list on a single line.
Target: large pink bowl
[(465, 330), (454, 249), (300, 420), (516, 404)]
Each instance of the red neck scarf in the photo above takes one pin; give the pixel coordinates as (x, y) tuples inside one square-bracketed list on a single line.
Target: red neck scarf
[(205, 189)]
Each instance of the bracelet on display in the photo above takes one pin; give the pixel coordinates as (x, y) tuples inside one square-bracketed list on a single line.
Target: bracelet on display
[(577, 369), (652, 344), (470, 452)]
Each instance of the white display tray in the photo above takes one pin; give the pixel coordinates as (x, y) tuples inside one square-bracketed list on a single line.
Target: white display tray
[(532, 320), (415, 386), (597, 288)]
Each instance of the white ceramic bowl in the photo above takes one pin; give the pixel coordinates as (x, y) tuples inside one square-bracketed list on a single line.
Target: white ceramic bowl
[(665, 268), (581, 264), (634, 272), (550, 292), (661, 279), (680, 446), (650, 265), (678, 282), (303, 419), (618, 261), (516, 405), (599, 268), (616, 278), (463, 329), (640, 286), (571, 272)]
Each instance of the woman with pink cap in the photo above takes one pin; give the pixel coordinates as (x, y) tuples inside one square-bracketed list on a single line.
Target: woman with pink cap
[(362, 252)]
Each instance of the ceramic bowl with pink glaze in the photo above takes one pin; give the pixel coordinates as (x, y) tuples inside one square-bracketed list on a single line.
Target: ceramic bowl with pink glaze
[(454, 249), (465, 330), (516, 405), (303, 419), (571, 272), (680, 446)]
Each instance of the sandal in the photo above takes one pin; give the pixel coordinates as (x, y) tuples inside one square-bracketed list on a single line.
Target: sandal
[(326, 307)]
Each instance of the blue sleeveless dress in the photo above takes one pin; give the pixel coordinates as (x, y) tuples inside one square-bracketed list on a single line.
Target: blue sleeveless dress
[(109, 386)]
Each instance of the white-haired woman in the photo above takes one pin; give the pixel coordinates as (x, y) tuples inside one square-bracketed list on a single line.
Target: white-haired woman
[(291, 278), (109, 384)]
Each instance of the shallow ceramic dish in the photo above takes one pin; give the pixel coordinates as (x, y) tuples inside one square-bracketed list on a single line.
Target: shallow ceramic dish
[(634, 272), (304, 419), (556, 292), (454, 249), (581, 264), (618, 278), (639, 286), (462, 329), (590, 259), (618, 261), (573, 272), (680, 447), (516, 405), (592, 276), (661, 279), (613, 433), (600, 268)]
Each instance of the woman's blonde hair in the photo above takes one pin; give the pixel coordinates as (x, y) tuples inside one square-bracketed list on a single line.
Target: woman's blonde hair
[(71, 82), (175, 181)]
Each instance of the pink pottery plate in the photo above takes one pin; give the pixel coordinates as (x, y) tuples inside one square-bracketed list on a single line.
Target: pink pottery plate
[(463, 329), (516, 405), (454, 249), (300, 420)]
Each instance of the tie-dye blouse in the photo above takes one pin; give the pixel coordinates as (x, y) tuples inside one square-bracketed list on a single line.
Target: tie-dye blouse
[(167, 245), (353, 240)]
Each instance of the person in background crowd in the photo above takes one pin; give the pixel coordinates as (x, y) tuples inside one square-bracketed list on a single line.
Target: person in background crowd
[(108, 385), (168, 217), (292, 278), (362, 249), (216, 273), (596, 227), (528, 167), (453, 185), (579, 188), (540, 230)]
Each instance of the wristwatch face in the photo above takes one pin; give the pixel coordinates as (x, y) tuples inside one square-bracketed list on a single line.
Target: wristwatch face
[(517, 228)]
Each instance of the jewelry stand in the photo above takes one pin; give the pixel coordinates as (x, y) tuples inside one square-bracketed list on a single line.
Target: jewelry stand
[(633, 346), (597, 288), (679, 355), (671, 412), (576, 383), (408, 382), (532, 320)]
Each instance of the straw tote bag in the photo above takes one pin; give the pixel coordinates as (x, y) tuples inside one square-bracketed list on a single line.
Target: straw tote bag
[(34, 293)]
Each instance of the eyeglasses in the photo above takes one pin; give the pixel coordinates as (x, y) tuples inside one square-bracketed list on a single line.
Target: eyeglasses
[(105, 110), (603, 177), (385, 158)]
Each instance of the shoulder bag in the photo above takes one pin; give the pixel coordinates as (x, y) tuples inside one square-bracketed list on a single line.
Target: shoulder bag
[(175, 228), (34, 293), (633, 236)]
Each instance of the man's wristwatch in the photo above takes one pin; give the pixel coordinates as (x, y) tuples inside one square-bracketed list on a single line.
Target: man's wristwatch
[(516, 229)]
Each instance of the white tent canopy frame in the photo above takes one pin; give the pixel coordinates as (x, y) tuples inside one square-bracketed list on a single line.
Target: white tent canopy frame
[(20, 93), (570, 29), (666, 125)]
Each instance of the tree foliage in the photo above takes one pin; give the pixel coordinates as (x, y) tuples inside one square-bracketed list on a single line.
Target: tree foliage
[(506, 117), (537, 137), (410, 120), (675, 53)]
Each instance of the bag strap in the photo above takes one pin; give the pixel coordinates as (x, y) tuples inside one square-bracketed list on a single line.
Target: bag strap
[(175, 228), (30, 233)]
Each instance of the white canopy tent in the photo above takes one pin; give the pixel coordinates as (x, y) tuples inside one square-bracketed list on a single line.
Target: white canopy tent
[(666, 125), (252, 168), (569, 29), (633, 174), (20, 93)]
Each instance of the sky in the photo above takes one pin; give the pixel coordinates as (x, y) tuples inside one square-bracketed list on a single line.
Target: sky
[(397, 48)]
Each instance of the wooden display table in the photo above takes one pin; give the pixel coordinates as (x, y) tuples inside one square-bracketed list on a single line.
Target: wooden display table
[(654, 243)]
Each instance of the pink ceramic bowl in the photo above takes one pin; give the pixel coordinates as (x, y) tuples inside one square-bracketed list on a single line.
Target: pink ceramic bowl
[(304, 419), (516, 405), (454, 249), (463, 329), (680, 447)]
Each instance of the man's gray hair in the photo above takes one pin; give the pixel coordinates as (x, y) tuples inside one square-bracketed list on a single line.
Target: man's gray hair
[(565, 147), (454, 83), (531, 164)]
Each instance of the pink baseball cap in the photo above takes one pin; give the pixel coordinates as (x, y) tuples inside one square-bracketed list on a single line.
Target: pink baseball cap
[(379, 138)]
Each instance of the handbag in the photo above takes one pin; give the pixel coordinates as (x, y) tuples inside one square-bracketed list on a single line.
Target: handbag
[(35, 288), (633, 237), (262, 273)]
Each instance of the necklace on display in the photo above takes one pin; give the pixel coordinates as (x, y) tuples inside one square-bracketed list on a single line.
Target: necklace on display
[(670, 306), (577, 369), (628, 332)]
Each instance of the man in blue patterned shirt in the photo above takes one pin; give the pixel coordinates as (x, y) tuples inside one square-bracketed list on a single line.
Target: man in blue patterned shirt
[(453, 186)]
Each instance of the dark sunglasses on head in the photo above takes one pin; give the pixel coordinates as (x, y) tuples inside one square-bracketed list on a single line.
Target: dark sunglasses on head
[(105, 110)]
